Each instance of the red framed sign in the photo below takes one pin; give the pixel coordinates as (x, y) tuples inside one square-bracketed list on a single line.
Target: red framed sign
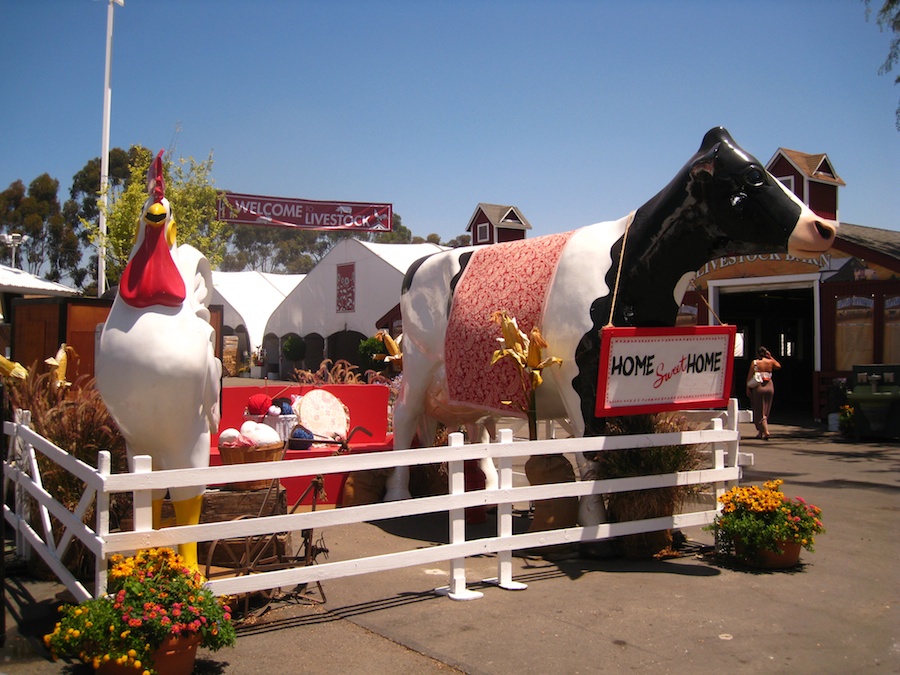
[(306, 214), (647, 370)]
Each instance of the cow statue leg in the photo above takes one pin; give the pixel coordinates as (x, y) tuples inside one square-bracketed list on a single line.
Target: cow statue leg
[(591, 509), (485, 431)]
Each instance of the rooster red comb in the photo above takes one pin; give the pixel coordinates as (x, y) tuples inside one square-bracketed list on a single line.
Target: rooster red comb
[(156, 182)]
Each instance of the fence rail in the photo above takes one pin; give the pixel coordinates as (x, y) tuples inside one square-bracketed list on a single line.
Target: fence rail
[(21, 468)]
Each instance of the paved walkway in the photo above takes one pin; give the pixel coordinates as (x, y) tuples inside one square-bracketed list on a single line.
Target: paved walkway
[(836, 613)]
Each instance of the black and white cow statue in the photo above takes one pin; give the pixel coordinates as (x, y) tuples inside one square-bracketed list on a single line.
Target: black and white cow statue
[(722, 202)]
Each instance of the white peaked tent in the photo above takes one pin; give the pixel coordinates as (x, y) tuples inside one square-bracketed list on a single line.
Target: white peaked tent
[(377, 272), (14, 280), (17, 282), (249, 298)]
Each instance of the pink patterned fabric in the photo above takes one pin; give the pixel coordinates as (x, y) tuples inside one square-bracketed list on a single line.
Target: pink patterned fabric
[(514, 276)]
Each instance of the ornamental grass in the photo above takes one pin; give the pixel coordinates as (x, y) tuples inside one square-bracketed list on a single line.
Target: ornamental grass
[(765, 519), (652, 503), (152, 596), (74, 418)]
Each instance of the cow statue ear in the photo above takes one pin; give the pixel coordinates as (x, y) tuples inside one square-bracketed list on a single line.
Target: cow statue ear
[(704, 165)]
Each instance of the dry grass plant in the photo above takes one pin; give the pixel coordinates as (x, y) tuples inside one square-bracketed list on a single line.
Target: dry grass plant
[(641, 504), (75, 419)]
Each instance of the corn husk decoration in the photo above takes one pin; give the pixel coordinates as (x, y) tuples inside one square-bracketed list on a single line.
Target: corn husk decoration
[(527, 353), (12, 369), (394, 355), (60, 363)]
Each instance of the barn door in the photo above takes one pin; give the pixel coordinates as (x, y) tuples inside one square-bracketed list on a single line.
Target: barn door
[(782, 320)]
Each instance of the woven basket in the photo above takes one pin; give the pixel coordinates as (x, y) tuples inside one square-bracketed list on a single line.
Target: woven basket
[(250, 455)]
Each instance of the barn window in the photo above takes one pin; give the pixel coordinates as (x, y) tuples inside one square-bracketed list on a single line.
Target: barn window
[(891, 329), (788, 182), (854, 334), (511, 217), (483, 233), (346, 288)]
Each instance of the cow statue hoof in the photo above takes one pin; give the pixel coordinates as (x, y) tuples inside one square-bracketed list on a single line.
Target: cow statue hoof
[(397, 485)]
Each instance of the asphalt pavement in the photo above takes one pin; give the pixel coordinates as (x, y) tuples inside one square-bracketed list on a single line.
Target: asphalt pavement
[(835, 613)]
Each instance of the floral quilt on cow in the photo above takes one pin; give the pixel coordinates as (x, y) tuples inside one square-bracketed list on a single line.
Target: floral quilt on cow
[(514, 276)]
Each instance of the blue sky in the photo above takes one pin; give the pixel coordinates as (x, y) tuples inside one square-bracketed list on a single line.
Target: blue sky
[(574, 111)]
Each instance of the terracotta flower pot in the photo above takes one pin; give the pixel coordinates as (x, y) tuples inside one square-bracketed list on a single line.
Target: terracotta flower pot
[(769, 559), (175, 656)]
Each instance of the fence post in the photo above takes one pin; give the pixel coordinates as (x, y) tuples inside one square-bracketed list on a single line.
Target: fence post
[(23, 504), (457, 589), (143, 499), (505, 522), (104, 469)]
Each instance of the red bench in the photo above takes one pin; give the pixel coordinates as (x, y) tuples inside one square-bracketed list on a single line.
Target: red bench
[(368, 408)]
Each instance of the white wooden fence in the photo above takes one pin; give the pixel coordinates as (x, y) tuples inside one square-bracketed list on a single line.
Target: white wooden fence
[(21, 468)]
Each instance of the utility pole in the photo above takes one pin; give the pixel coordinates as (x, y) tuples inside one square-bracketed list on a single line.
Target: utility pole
[(104, 152)]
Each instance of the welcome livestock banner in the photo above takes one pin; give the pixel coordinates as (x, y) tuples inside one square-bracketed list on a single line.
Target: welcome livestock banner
[(646, 370), (306, 214)]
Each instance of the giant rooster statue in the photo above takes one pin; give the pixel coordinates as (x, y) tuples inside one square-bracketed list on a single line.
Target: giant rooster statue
[(155, 365)]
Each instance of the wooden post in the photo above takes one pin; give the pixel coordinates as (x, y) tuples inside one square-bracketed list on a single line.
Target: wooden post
[(457, 589), (505, 522)]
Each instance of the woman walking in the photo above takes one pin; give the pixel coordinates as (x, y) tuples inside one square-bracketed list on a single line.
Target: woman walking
[(761, 390)]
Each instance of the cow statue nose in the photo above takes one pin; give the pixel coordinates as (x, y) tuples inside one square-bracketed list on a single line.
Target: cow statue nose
[(825, 231)]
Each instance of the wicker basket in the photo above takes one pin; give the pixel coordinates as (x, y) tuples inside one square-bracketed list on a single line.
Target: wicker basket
[(250, 455)]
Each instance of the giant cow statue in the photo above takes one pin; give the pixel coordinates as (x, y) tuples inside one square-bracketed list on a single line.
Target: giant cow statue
[(723, 201)]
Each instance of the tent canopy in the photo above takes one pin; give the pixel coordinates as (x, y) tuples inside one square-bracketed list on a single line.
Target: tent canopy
[(377, 272), (249, 298), (19, 282), (14, 280)]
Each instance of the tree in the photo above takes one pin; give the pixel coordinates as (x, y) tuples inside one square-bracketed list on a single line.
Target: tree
[(461, 240), (399, 234), (270, 249), (192, 197), (36, 214), (82, 213), (888, 18)]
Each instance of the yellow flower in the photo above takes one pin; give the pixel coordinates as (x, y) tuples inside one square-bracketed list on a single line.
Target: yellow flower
[(526, 351)]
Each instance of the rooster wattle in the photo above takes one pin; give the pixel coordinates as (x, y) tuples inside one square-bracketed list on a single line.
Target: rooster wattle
[(155, 363)]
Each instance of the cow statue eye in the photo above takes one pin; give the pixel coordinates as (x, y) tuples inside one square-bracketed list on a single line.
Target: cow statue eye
[(754, 177)]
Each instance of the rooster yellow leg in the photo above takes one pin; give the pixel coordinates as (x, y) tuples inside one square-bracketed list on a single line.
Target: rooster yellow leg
[(187, 512)]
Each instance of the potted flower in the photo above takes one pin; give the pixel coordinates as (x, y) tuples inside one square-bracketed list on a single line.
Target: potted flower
[(257, 361), (155, 616), (764, 527)]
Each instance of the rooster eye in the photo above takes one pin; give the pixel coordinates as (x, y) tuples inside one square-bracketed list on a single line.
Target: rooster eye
[(754, 177)]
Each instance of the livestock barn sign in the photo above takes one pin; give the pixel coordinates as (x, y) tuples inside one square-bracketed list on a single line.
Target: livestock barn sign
[(305, 214), (647, 370)]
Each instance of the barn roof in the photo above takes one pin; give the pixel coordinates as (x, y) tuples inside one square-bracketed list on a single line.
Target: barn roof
[(816, 166), (886, 242), (501, 215), (13, 280)]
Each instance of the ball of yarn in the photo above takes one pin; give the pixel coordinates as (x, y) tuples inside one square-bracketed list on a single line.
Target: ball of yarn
[(259, 404), (301, 438)]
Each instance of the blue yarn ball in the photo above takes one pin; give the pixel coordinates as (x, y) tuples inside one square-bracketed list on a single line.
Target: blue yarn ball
[(300, 434)]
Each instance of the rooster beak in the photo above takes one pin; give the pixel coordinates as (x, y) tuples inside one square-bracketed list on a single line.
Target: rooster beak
[(156, 214)]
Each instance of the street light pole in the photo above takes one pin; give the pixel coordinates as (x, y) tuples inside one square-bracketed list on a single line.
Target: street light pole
[(104, 152), (14, 240)]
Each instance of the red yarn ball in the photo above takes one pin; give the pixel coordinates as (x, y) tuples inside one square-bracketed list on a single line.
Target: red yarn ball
[(259, 404)]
